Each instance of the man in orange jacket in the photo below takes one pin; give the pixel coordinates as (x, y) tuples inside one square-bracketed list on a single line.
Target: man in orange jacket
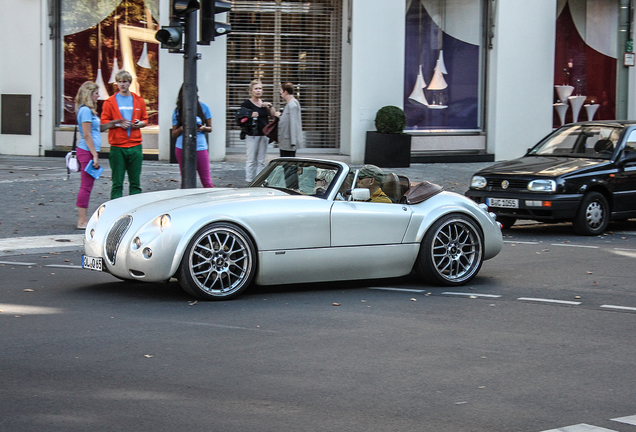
[(125, 138)]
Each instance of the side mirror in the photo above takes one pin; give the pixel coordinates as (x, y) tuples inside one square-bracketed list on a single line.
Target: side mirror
[(361, 194), (625, 159)]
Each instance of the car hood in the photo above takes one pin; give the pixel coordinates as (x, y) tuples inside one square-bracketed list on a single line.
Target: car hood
[(544, 166), (166, 201)]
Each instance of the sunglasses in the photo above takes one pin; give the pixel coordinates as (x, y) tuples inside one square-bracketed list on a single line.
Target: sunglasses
[(319, 179)]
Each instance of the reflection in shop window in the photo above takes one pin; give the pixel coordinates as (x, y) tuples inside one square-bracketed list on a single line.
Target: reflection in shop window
[(443, 58), (101, 37)]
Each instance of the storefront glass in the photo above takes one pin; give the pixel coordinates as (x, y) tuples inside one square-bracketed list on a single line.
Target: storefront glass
[(100, 37), (585, 60), (443, 73)]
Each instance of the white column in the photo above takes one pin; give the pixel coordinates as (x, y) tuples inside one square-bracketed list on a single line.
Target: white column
[(373, 68), (521, 77)]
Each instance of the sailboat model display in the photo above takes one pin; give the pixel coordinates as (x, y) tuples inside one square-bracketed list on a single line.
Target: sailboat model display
[(438, 82), (417, 95)]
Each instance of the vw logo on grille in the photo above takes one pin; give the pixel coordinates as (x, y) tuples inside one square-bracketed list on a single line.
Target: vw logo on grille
[(505, 184)]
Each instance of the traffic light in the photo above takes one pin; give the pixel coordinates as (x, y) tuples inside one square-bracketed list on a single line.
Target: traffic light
[(171, 37), (208, 28), (178, 8)]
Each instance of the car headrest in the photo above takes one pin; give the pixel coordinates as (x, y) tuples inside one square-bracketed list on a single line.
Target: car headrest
[(603, 145), (391, 187)]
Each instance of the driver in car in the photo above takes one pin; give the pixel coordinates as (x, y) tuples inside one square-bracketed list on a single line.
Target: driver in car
[(372, 177)]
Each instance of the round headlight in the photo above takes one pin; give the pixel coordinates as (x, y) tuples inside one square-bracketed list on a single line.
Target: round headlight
[(99, 211), (164, 221), (542, 185), (478, 182)]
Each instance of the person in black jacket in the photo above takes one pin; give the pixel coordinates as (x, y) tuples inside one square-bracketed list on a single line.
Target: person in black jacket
[(255, 141)]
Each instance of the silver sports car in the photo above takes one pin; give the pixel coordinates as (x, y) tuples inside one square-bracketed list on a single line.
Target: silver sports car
[(301, 220)]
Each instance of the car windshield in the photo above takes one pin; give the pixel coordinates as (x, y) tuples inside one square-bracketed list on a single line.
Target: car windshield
[(300, 177), (589, 141)]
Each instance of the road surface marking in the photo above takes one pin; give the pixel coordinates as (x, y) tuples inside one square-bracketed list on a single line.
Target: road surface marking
[(575, 246), (398, 289), (17, 263), (521, 242), (15, 309), (64, 266), (620, 308), (549, 300), (472, 294), (628, 420), (581, 428)]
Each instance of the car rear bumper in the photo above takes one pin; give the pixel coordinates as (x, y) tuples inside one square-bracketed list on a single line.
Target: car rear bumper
[(541, 207)]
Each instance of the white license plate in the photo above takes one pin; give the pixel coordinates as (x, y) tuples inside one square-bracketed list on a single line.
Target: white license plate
[(502, 202), (91, 263)]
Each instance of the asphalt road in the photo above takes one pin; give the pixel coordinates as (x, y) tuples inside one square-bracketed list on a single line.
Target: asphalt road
[(542, 339)]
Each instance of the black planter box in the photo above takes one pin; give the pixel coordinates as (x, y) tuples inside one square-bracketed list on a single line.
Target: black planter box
[(388, 150)]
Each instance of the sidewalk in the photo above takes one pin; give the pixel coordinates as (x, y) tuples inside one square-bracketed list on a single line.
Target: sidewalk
[(38, 200)]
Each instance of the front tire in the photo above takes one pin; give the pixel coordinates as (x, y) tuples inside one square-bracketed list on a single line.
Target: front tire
[(593, 215), (451, 253), (219, 262)]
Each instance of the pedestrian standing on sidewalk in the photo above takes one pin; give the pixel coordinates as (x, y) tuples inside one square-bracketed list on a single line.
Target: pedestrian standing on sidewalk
[(126, 153), (204, 124), (255, 141), (89, 145), (290, 126)]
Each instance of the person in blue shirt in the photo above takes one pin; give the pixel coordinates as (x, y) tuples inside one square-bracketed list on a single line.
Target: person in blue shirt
[(204, 124), (89, 145)]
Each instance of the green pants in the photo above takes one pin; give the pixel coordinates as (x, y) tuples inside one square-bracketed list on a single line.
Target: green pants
[(121, 160)]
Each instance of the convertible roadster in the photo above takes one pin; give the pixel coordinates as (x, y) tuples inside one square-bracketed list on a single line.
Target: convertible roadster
[(300, 220)]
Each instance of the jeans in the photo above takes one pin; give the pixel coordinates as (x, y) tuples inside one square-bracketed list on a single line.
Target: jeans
[(256, 154), (124, 159), (203, 166), (87, 180)]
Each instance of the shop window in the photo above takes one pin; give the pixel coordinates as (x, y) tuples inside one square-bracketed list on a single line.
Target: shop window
[(443, 71), (101, 37), (585, 61)]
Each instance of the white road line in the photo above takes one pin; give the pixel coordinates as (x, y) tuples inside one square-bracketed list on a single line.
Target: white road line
[(63, 266), (398, 289), (17, 263), (521, 242), (549, 300), (627, 420), (620, 308), (575, 246), (472, 295), (581, 428), (625, 249), (15, 309)]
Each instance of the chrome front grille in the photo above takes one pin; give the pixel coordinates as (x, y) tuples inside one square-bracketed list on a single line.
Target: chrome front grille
[(115, 235), (496, 183)]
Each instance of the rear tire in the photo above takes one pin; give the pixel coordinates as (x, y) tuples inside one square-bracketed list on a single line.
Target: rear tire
[(451, 252), (219, 262), (593, 215)]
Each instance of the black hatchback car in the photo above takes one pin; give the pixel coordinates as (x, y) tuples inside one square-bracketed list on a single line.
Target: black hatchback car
[(582, 172)]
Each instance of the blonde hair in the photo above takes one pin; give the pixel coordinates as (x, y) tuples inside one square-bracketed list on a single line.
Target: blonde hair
[(253, 83), (83, 96), (123, 75)]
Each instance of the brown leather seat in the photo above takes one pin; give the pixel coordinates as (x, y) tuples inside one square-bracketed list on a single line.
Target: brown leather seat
[(392, 187)]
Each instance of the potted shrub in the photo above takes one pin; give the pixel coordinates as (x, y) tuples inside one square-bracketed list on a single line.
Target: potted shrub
[(389, 146)]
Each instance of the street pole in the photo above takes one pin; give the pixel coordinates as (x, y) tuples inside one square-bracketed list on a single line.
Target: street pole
[(189, 155)]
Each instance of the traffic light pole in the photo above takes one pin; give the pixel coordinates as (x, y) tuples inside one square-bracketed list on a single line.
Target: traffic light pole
[(189, 103)]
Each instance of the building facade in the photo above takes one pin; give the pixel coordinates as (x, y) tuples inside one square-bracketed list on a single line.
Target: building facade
[(473, 76)]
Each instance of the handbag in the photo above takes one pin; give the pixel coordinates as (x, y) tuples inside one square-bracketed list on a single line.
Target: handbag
[(72, 164), (271, 130)]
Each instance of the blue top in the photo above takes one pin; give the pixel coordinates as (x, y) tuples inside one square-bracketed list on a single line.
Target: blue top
[(202, 144), (125, 105), (85, 115)]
